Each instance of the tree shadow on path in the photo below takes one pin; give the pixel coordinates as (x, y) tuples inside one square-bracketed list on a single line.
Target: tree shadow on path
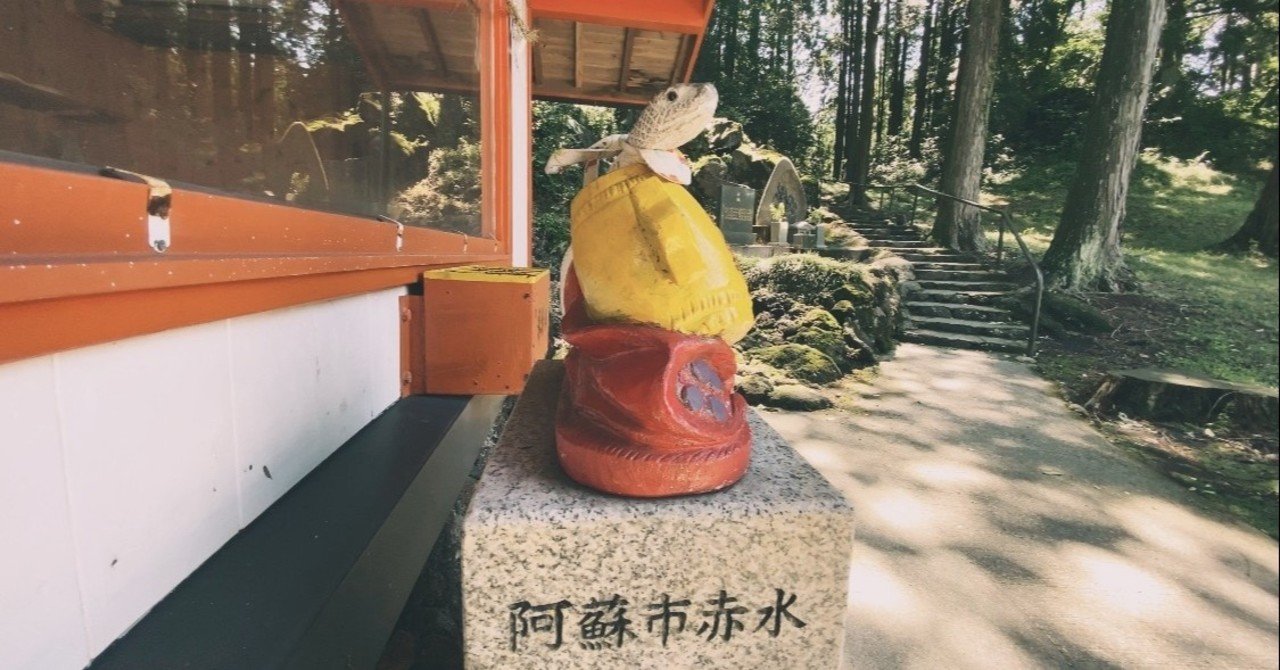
[(998, 529)]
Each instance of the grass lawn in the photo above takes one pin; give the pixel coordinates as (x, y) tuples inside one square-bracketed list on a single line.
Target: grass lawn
[(1227, 306), (1203, 312)]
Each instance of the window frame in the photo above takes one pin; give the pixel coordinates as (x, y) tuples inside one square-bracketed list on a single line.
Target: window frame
[(76, 267)]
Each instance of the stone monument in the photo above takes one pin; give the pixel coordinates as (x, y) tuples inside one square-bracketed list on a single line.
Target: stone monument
[(555, 575), (784, 188), (737, 214)]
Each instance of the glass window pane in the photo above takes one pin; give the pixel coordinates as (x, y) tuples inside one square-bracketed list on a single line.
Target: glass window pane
[(277, 99)]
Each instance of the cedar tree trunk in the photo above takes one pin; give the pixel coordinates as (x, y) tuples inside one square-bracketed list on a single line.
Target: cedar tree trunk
[(1263, 223), (922, 85), (958, 226), (1085, 253), (861, 166)]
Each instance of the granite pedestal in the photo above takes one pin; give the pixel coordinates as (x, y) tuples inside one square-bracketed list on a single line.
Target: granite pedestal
[(555, 575)]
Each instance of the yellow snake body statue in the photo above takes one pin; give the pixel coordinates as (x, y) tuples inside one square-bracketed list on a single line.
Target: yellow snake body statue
[(643, 250)]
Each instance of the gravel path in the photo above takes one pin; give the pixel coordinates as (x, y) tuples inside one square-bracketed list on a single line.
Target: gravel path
[(996, 529)]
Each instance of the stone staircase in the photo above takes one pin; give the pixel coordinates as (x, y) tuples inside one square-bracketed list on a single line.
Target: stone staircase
[(954, 304)]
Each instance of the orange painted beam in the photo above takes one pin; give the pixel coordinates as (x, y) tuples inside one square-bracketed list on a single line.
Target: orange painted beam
[(675, 16), (48, 278), (49, 212), (495, 117), (35, 328)]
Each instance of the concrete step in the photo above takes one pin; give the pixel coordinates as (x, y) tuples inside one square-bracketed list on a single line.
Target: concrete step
[(1010, 331), (945, 265), (934, 254), (900, 244), (962, 341), (958, 275), (957, 311), (984, 298), (895, 237), (967, 286), (888, 231)]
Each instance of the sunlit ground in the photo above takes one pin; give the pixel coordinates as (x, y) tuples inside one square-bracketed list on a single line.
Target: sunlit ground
[(997, 529)]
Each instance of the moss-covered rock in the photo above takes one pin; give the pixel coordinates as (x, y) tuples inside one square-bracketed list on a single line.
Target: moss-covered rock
[(860, 350), (843, 311), (817, 328), (849, 312), (755, 387), (800, 361), (861, 303), (797, 397), (721, 136), (709, 172), (817, 318), (829, 343), (821, 214), (776, 303), (807, 277), (751, 165)]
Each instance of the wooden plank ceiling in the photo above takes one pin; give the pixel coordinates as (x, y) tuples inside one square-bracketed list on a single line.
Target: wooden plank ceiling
[(432, 47), (407, 48), (602, 64)]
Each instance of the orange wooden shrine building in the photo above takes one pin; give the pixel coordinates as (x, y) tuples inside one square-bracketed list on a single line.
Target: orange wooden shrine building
[(215, 218)]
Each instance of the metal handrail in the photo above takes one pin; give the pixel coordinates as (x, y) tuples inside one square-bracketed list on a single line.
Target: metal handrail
[(891, 189), (1006, 221)]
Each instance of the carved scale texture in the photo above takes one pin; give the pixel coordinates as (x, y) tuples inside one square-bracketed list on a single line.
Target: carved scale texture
[(668, 123)]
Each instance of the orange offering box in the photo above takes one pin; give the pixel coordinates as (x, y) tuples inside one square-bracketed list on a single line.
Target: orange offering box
[(485, 328)]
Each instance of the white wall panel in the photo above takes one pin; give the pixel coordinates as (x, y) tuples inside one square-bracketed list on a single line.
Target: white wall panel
[(306, 379), (276, 369), (150, 469), (521, 153), (41, 620), (124, 466)]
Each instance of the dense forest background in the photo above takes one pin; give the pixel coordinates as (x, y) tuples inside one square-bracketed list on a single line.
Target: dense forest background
[(1161, 194), (895, 62)]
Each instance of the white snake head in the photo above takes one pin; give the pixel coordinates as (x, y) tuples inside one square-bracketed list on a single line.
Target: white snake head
[(675, 116)]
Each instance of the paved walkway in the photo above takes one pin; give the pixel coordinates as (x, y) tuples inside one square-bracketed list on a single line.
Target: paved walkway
[(997, 529)]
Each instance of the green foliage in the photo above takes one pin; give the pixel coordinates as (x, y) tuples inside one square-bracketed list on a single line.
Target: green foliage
[(1207, 106), (1213, 129), (559, 126), (1045, 83), (550, 240), (891, 162), (772, 114), (449, 196)]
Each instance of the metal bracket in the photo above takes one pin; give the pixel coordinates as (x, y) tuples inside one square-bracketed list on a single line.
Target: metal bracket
[(159, 200), (399, 230)]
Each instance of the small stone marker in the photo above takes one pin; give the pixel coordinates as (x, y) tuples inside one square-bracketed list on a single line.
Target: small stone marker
[(783, 188), (555, 575), (737, 213)]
